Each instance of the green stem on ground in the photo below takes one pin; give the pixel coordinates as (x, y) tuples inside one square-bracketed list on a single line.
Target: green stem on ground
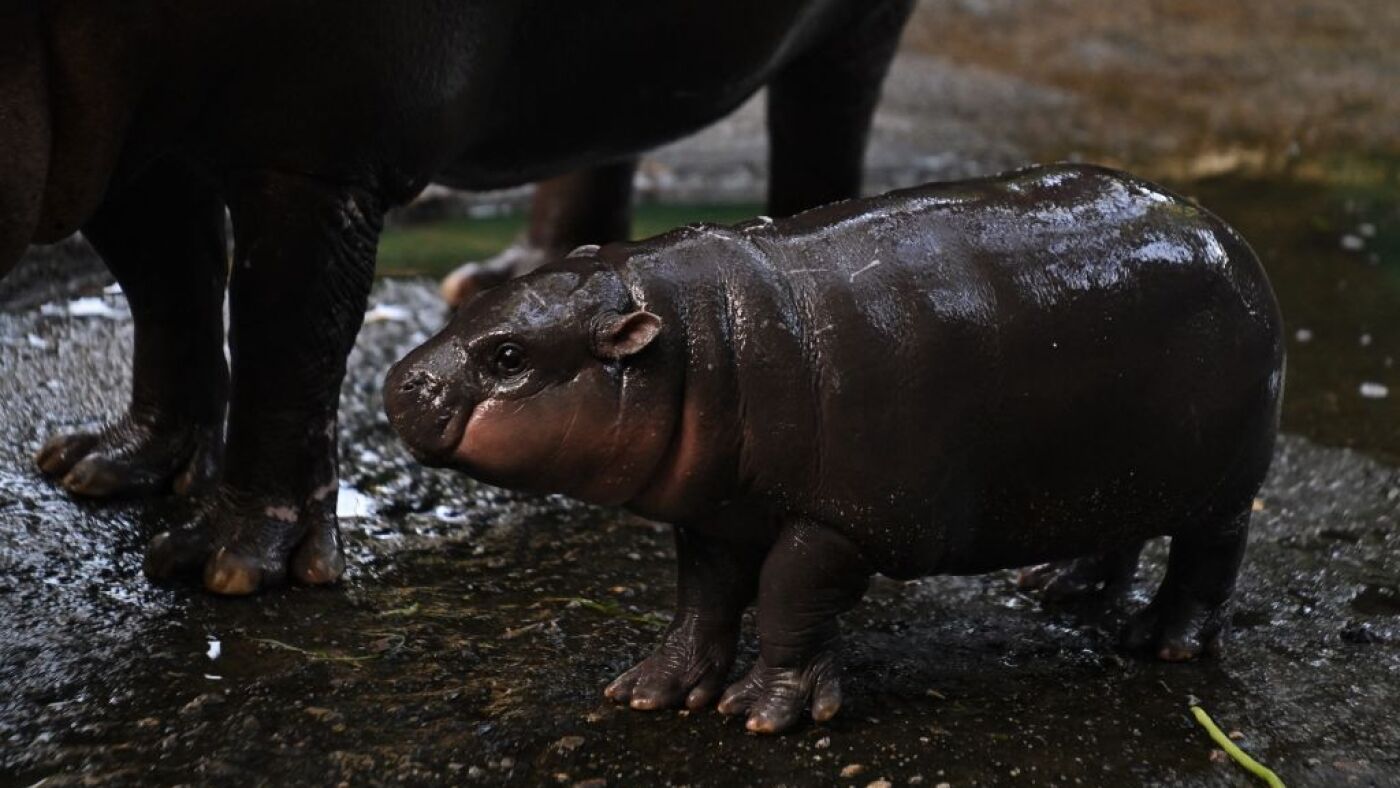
[(1241, 757)]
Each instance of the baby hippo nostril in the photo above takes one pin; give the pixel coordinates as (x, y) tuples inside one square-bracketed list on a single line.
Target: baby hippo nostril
[(426, 409), (413, 380)]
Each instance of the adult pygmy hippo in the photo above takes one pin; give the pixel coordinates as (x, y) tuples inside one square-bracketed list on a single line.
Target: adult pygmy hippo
[(139, 122), (952, 379)]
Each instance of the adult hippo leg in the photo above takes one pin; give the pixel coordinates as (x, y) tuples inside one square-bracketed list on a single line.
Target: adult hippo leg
[(716, 580), (1109, 574), (589, 206), (812, 574), (25, 128), (1187, 616), (163, 239), (820, 108), (303, 266)]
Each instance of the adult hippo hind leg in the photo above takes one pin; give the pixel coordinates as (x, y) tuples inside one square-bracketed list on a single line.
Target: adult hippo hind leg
[(812, 574), (588, 206), (304, 263), (1187, 616), (716, 580), (163, 239), (1107, 576)]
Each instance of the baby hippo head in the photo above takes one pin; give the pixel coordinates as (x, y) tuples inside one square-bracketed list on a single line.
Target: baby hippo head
[(554, 382)]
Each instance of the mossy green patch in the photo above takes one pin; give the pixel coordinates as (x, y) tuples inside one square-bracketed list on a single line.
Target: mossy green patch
[(432, 249)]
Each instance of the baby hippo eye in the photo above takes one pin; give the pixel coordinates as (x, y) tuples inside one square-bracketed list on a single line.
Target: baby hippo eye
[(509, 358)]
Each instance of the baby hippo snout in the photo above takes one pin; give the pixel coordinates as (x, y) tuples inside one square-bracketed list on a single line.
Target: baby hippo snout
[(426, 397)]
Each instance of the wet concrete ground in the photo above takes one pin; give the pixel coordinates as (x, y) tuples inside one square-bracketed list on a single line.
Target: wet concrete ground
[(475, 630)]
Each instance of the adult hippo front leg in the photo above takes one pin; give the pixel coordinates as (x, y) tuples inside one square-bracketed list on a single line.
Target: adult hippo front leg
[(163, 239), (303, 266), (812, 575)]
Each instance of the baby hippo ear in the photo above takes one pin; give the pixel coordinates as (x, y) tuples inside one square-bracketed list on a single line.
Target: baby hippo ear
[(618, 336)]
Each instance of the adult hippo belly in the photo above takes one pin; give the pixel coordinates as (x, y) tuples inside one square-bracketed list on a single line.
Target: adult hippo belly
[(139, 123)]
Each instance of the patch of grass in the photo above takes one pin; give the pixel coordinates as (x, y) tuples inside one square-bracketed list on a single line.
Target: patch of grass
[(433, 249)]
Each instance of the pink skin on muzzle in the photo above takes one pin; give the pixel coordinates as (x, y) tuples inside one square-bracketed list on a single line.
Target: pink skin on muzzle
[(568, 438)]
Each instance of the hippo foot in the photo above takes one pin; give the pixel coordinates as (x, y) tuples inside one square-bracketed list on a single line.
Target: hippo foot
[(773, 698), (1067, 581), (1175, 630), (242, 547), (689, 666), (470, 280), (1105, 577), (133, 456)]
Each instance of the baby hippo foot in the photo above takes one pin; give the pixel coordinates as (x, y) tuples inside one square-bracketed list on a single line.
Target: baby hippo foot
[(243, 545), (773, 697), (1175, 629), (469, 280), (134, 456), (1064, 581), (690, 665)]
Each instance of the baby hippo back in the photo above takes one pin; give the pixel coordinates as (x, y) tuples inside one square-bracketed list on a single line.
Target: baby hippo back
[(981, 374)]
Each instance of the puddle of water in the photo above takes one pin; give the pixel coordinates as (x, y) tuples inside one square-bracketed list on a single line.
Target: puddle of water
[(1377, 600), (1331, 245)]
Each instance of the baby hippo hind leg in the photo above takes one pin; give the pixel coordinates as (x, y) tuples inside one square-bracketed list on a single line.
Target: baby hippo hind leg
[(163, 239), (1104, 575), (716, 580), (1187, 616), (812, 574)]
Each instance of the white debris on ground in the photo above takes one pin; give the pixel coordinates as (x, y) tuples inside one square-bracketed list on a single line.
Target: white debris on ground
[(351, 504), (85, 307), (28, 340), (1372, 390), (1303, 335), (450, 515), (391, 313)]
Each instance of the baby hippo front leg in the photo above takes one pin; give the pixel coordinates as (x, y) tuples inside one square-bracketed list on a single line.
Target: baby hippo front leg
[(716, 579), (812, 574)]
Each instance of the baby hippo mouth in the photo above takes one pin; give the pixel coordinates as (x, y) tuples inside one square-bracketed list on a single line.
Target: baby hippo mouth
[(429, 413)]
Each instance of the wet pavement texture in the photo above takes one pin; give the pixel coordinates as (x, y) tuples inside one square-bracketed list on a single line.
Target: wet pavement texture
[(475, 630)]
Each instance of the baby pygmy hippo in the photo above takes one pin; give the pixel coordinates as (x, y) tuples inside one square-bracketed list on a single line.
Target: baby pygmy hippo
[(1054, 364)]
